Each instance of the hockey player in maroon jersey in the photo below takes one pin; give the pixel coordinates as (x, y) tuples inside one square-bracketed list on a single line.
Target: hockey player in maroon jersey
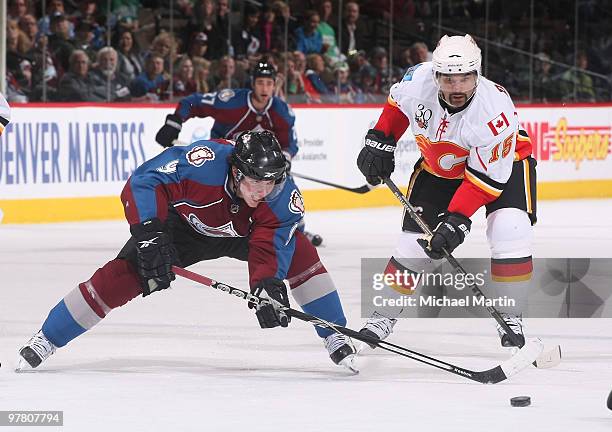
[(473, 154), (200, 202), (238, 110)]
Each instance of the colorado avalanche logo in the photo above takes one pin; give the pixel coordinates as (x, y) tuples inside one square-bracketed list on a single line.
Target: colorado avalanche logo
[(168, 168), (197, 156), (226, 230), (296, 203), (226, 94)]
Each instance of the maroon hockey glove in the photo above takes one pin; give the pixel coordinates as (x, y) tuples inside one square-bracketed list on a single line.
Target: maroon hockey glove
[(376, 159), (450, 233), (155, 256), (169, 131), (271, 314)]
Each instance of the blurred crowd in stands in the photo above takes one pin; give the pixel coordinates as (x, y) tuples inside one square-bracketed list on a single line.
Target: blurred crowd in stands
[(161, 50)]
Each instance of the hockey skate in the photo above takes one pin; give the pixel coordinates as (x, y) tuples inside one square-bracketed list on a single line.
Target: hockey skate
[(378, 326), (341, 351), (35, 351), (315, 239), (515, 322)]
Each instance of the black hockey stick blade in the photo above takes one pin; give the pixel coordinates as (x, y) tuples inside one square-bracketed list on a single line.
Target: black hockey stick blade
[(360, 190), (510, 367)]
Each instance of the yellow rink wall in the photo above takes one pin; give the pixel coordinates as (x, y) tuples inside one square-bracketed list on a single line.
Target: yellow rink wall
[(72, 163)]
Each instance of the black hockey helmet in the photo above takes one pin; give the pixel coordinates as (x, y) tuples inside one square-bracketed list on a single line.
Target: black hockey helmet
[(258, 155), (263, 70)]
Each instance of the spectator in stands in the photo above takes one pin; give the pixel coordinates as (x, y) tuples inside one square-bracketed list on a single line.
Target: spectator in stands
[(224, 76), (152, 84), (577, 85), (107, 84), (295, 82), (419, 53), (128, 56), (19, 82), (308, 38), (54, 8), (198, 46), (246, 40), (546, 87), (354, 32), (29, 26), (328, 34), (75, 85), (124, 15), (315, 86), (218, 41), (367, 83), (344, 91), (61, 43), (386, 76), (164, 45), (184, 82), (201, 71), (83, 36), (17, 9), (282, 18), (271, 35)]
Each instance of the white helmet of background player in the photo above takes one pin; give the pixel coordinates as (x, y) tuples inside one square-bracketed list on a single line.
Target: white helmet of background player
[(456, 55)]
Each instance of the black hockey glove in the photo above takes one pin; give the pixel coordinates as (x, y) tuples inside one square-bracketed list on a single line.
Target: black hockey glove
[(271, 314), (450, 233), (169, 131), (376, 159), (155, 256)]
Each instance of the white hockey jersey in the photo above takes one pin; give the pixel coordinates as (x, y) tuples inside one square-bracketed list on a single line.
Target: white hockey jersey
[(479, 142), (5, 113)]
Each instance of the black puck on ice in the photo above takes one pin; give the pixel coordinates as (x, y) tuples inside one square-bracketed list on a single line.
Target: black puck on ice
[(610, 401), (520, 401)]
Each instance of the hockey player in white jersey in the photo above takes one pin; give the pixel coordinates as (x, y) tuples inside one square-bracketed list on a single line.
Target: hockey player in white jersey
[(473, 154), (5, 113)]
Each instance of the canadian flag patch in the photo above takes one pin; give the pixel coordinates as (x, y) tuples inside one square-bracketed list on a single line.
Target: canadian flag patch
[(498, 124)]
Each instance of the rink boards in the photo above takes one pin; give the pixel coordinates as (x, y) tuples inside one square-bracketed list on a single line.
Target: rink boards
[(67, 162)]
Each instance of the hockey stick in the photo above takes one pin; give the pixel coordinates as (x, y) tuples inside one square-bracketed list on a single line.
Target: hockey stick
[(360, 190), (546, 360), (499, 373)]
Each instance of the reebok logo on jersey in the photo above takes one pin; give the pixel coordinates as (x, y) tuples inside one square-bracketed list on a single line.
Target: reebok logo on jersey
[(498, 124), (197, 156), (380, 146)]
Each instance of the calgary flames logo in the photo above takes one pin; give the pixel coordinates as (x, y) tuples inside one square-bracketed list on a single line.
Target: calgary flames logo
[(197, 156), (446, 159)]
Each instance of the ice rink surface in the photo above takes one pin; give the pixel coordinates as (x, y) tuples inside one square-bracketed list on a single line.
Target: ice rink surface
[(192, 359)]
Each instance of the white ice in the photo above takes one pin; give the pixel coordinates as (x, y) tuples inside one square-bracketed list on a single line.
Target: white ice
[(191, 359)]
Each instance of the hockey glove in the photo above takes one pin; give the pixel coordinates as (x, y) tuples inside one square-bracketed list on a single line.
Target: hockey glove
[(376, 159), (155, 256), (270, 313), (450, 233), (169, 131)]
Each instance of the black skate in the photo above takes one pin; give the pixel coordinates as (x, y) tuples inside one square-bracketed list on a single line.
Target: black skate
[(378, 327), (341, 351), (315, 239), (35, 351), (515, 322)]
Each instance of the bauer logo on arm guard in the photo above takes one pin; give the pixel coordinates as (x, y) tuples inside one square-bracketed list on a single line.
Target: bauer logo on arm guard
[(296, 203), (197, 156)]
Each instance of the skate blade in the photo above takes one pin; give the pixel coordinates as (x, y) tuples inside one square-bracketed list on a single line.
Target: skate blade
[(23, 366), (349, 363), (549, 359)]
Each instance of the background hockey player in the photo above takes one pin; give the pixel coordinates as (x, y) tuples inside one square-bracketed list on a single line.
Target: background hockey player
[(473, 154), (238, 110), (200, 202), (5, 113)]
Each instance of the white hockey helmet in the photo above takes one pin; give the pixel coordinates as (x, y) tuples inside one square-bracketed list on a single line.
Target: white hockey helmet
[(456, 55)]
